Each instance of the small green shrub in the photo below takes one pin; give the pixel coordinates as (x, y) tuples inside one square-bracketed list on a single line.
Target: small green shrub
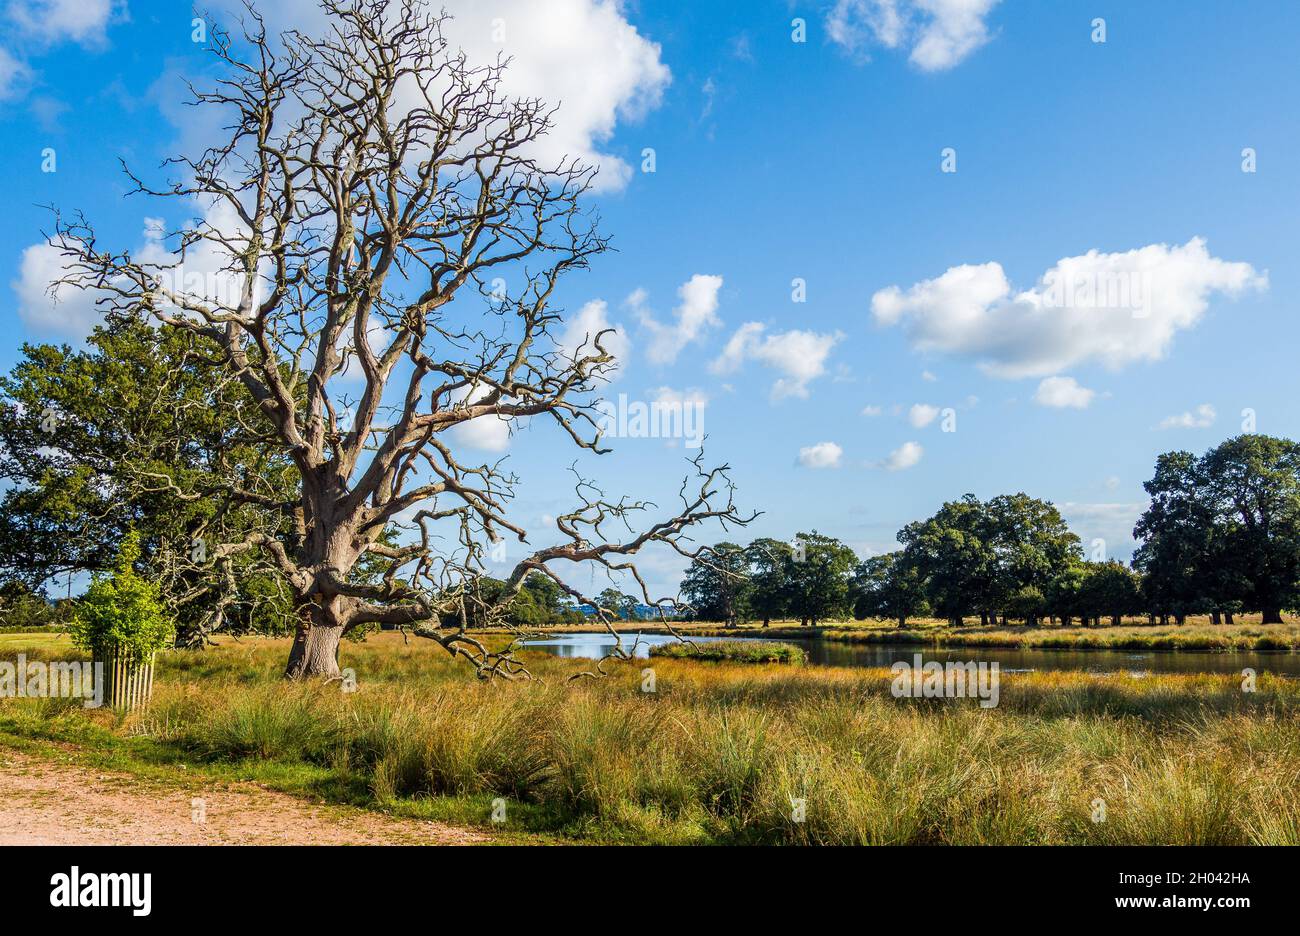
[(122, 612)]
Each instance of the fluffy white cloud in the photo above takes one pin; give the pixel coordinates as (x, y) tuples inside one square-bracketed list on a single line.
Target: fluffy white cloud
[(905, 456), (922, 414), (1201, 418), (799, 355), (485, 433), (581, 330), (1115, 308), (695, 314), (940, 33), (50, 21), (62, 311), (69, 312), (821, 455), (582, 55), (871, 410), (34, 25), (1062, 392)]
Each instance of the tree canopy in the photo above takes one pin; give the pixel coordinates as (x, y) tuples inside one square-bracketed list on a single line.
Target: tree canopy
[(1222, 532), (142, 430)]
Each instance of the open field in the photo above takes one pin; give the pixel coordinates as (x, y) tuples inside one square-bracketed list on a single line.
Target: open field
[(717, 754)]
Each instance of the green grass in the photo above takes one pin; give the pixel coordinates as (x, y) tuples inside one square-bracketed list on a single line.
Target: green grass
[(718, 754), (1196, 636), (733, 651), (35, 642)]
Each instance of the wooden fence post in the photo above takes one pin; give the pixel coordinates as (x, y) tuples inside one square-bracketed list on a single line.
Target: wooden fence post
[(129, 681)]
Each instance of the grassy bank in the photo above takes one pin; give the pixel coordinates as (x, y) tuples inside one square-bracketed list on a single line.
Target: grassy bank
[(733, 651), (718, 752), (1191, 637)]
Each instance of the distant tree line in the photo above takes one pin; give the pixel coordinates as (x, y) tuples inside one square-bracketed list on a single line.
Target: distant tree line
[(1220, 537)]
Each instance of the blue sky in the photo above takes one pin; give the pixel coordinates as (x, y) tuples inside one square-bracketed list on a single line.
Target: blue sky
[(822, 160)]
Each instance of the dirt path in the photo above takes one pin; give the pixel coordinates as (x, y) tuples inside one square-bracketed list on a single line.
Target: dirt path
[(46, 803)]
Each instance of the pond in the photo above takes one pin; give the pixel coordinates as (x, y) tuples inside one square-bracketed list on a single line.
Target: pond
[(597, 645), (832, 653)]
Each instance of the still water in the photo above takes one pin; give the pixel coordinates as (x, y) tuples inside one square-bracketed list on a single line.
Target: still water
[(830, 653)]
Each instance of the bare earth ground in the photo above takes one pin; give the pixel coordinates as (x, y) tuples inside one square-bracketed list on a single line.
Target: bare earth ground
[(45, 803)]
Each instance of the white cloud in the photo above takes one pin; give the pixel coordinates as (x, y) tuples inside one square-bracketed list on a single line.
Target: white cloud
[(928, 377), (13, 74), (871, 410), (1110, 522), (1202, 418), (65, 311), (1062, 392), (581, 55), (799, 355), (1116, 308), (691, 396), (484, 433), (35, 25), (905, 456), (70, 312), (940, 33), (821, 455), (581, 330), (922, 414), (50, 21), (694, 315)]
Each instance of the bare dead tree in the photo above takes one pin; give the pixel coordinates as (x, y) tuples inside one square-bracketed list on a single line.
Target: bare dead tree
[(372, 176)]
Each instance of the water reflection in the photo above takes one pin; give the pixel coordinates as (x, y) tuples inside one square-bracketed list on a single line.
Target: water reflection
[(595, 646)]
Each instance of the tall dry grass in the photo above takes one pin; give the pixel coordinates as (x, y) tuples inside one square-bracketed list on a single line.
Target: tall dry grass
[(732, 752)]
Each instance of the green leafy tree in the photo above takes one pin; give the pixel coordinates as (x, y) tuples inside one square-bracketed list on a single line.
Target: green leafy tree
[(1253, 492), (1027, 603), (818, 584), (990, 558), (21, 608), (142, 429), (887, 587), (541, 602), (769, 570), (1222, 532), (1109, 589), (1031, 545), (122, 613), (950, 554), (1063, 591), (1175, 534), (717, 585)]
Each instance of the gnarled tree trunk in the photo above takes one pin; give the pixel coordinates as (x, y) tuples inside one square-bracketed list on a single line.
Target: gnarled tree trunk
[(315, 651)]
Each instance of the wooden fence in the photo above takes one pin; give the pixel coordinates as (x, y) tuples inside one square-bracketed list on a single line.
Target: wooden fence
[(128, 682)]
